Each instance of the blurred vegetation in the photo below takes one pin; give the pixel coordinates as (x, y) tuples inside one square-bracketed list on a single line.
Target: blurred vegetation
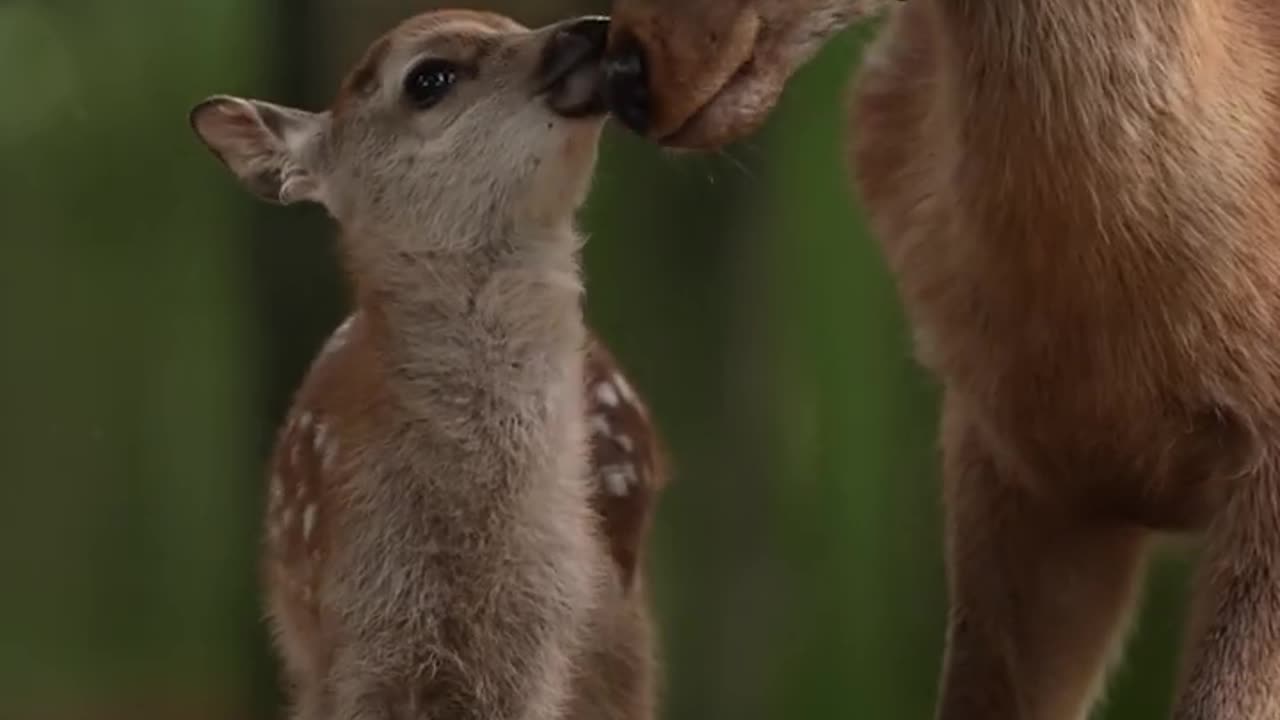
[(155, 321)]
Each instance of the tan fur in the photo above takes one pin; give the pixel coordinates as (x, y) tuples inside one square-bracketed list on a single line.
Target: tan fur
[(1079, 200), (439, 538), (717, 67), (618, 677)]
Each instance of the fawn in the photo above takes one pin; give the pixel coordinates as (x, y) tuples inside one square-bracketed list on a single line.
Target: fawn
[(1079, 201), (460, 496)]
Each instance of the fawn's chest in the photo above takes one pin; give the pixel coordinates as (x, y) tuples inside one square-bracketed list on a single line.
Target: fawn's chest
[(1145, 393), (403, 507)]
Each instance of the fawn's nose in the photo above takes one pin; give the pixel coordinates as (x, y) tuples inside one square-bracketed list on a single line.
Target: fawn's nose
[(570, 68), (626, 83)]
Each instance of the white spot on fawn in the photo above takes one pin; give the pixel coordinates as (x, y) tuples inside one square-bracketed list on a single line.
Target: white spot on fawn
[(607, 394), (318, 439), (618, 479), (624, 388), (625, 442), (339, 336), (600, 425), (308, 521)]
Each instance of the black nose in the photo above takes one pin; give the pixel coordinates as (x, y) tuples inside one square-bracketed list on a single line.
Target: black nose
[(572, 45), (627, 83)]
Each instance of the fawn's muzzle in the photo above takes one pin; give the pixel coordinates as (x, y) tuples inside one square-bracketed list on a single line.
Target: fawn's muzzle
[(626, 84), (570, 73)]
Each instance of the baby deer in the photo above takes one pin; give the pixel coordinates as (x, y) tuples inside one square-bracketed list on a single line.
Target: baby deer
[(459, 499)]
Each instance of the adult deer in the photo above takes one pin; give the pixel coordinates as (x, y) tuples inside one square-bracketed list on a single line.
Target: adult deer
[(1079, 200)]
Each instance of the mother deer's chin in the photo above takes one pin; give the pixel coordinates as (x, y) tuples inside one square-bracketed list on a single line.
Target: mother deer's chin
[(736, 111), (732, 110)]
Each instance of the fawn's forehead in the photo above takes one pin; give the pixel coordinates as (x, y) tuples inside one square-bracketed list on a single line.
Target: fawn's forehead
[(463, 36), (459, 31)]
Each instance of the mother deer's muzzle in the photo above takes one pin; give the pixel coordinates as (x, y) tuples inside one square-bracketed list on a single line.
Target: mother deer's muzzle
[(702, 73)]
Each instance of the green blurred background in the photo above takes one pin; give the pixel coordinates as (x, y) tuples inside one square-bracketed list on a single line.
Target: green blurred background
[(154, 320)]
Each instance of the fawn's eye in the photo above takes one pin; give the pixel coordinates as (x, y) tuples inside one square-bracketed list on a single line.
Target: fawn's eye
[(429, 82)]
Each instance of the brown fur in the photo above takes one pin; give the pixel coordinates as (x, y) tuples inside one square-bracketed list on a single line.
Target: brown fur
[(618, 679), (718, 66), (1078, 198), (617, 676), (460, 496)]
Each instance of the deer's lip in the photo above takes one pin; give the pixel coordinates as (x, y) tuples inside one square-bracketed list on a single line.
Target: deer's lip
[(735, 110), (570, 76), (695, 105), (561, 69), (578, 93), (574, 83)]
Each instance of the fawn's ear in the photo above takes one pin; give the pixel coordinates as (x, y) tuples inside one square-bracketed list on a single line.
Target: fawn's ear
[(275, 151)]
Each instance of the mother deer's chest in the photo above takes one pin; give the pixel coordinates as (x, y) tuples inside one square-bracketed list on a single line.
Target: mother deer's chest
[(1089, 379)]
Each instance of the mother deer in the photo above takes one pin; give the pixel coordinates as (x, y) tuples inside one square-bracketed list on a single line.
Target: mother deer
[(1080, 200)]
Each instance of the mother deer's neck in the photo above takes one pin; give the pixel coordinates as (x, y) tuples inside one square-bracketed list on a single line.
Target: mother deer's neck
[(1082, 26), (1052, 57), (1079, 109)]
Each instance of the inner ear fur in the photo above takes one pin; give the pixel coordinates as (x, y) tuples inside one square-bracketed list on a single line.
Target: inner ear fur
[(272, 149)]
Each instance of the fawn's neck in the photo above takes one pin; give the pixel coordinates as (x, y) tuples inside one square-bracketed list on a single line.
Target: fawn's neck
[(488, 328)]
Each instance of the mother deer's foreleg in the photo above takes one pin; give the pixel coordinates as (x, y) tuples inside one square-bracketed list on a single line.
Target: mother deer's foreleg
[(1038, 595), (1233, 662)]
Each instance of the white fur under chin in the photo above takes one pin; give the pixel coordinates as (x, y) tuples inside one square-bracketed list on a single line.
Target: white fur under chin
[(486, 466)]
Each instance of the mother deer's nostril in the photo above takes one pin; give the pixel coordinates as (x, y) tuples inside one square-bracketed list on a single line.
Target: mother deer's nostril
[(627, 84)]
